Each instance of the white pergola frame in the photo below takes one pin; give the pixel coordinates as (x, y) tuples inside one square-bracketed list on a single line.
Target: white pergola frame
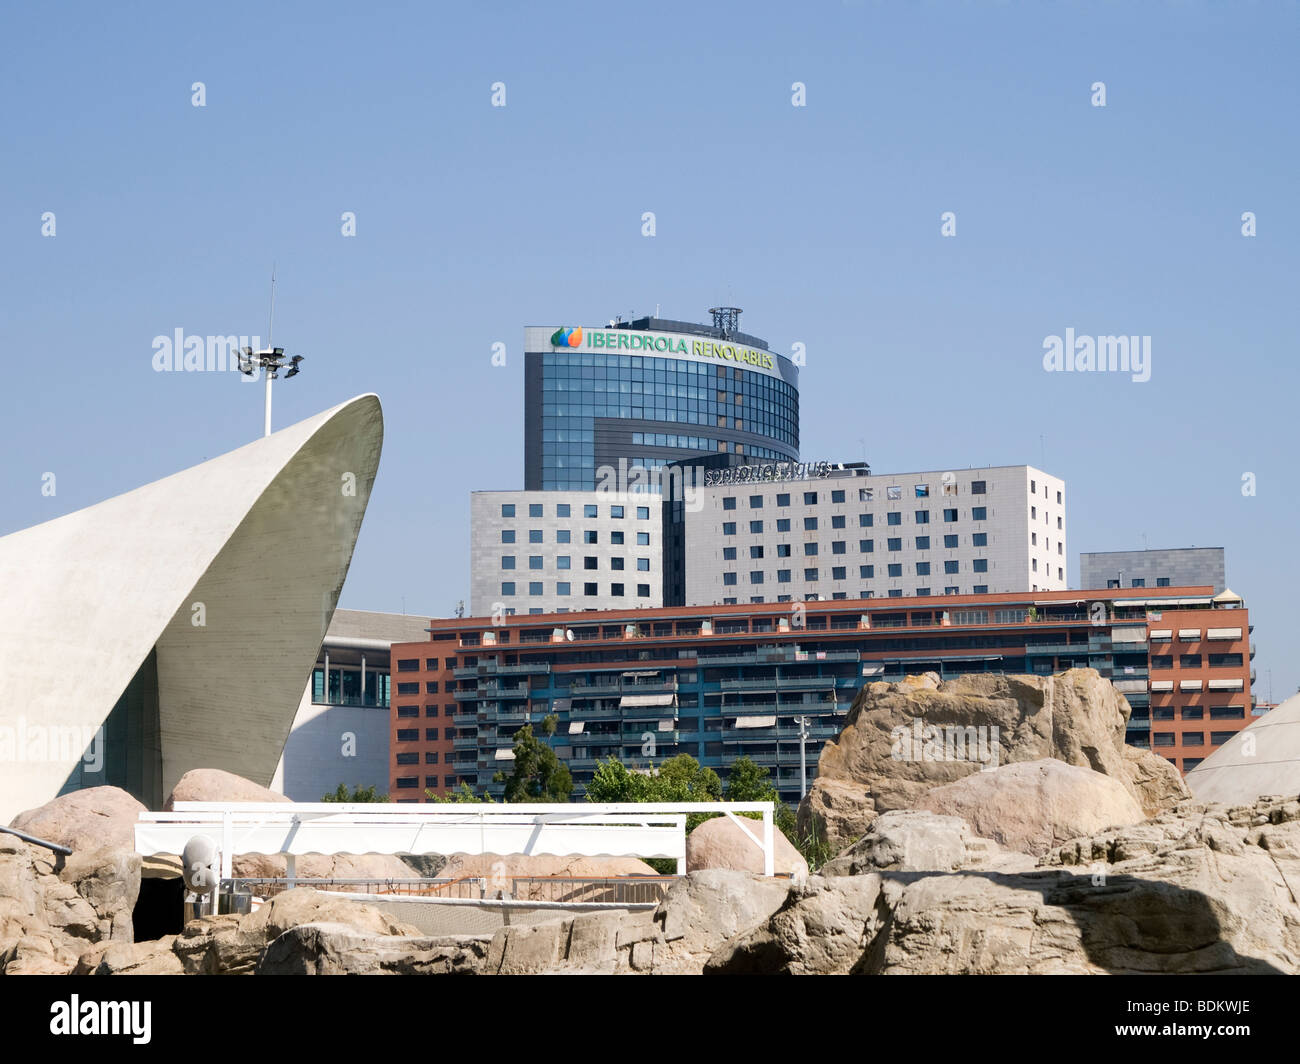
[(624, 829)]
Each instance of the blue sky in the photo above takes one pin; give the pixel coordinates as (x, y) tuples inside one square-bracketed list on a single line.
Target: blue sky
[(823, 222)]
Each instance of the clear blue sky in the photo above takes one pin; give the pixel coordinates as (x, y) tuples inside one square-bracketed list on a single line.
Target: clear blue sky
[(823, 222)]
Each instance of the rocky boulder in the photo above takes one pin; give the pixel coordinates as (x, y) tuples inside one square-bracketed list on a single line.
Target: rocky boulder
[(217, 785), (721, 842), (900, 740), (88, 819), (1157, 784), (914, 841), (542, 877), (1031, 806), (337, 949)]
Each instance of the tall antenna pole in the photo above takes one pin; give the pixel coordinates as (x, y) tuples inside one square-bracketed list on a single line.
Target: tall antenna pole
[(270, 335)]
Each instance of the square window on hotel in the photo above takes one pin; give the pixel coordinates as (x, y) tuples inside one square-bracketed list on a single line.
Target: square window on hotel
[(922, 491), (643, 513), (728, 502), (1162, 581), (562, 561), (809, 549), (980, 539), (561, 509), (810, 524), (979, 513), (534, 561), (535, 588), (783, 499), (839, 546), (893, 518), (616, 590), (867, 572), (783, 524), (591, 536), (507, 561), (895, 492), (616, 512), (728, 579), (950, 515), (643, 539), (838, 572), (978, 487), (755, 527), (895, 592), (980, 589), (590, 562), (895, 569), (756, 502), (922, 517), (865, 520), (562, 535), (837, 521), (866, 546), (756, 576), (951, 567), (589, 590), (949, 542), (922, 542), (894, 543), (837, 496), (728, 528), (507, 535), (783, 550), (643, 591), (507, 509), (616, 538), (980, 565), (810, 576), (589, 510), (756, 552), (865, 494), (952, 591), (643, 564), (922, 568), (728, 554), (562, 587), (616, 563), (810, 498), (534, 535), (508, 588), (534, 509), (783, 576)]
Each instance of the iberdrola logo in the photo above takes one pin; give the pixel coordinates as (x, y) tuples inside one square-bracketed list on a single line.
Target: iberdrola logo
[(567, 337)]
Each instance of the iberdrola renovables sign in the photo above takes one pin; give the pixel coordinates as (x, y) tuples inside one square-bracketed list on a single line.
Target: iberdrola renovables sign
[(641, 342)]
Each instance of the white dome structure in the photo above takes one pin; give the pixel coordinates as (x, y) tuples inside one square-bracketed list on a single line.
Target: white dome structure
[(173, 627), (1263, 758)]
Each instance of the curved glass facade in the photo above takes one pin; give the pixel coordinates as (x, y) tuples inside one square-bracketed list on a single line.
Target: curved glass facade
[(586, 410)]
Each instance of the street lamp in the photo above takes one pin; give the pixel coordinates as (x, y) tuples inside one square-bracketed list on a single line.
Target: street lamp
[(270, 361), (803, 761)]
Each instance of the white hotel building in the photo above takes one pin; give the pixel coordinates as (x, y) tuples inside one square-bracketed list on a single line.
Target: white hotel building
[(853, 534)]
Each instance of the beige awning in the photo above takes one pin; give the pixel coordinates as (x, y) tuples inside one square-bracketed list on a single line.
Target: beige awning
[(646, 700), (756, 722), (576, 726)]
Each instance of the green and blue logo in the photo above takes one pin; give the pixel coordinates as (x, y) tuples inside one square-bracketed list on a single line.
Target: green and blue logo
[(567, 337)]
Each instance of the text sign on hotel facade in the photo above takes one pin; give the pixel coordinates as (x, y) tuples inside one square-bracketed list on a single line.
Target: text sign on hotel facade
[(641, 343)]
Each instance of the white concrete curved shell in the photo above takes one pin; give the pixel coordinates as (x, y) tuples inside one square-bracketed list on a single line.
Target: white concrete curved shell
[(1261, 759), (197, 602)]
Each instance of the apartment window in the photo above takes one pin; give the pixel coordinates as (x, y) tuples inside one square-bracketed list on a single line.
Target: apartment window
[(616, 512), (980, 589), (534, 561), (810, 524), (810, 498), (616, 563), (922, 491), (756, 576), (589, 590), (979, 539), (783, 524), (643, 539), (951, 567), (408, 665), (1058, 499), (756, 502), (1138, 583), (728, 502), (952, 591), (922, 517), (783, 576), (643, 591), (1033, 487), (728, 579), (1033, 539), (431, 687), (616, 538), (407, 782), (561, 509), (837, 496), (922, 568), (507, 509), (728, 528), (1162, 581), (809, 549), (507, 561), (895, 569), (922, 542), (562, 561), (1227, 712), (1218, 738), (895, 593), (865, 520), (1058, 523), (616, 590), (922, 592), (643, 513), (1189, 661), (1162, 739), (867, 572), (810, 575), (589, 510), (783, 550), (894, 543), (1193, 738), (865, 494), (508, 587), (728, 554), (838, 572), (980, 565), (1034, 564), (590, 561), (950, 515), (1224, 661), (408, 735), (977, 487), (979, 513), (893, 518), (1111, 584), (562, 535), (783, 499), (755, 528), (839, 546), (507, 535), (1162, 661), (837, 521), (1192, 713), (562, 587), (431, 758), (756, 552), (866, 546), (893, 493), (591, 536), (643, 565), (408, 711)]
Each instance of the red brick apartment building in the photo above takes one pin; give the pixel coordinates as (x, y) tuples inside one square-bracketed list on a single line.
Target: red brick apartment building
[(720, 682)]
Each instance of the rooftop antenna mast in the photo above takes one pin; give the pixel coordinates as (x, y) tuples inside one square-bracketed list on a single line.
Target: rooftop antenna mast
[(270, 360), (726, 320)]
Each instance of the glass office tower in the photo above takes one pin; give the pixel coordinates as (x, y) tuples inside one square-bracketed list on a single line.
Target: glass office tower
[(650, 392)]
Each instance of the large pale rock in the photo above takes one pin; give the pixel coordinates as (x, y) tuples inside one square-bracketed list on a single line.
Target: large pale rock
[(1201, 889), (1157, 784), (338, 949), (131, 958), (217, 785), (88, 819), (723, 843), (1032, 806), (885, 759), (916, 841)]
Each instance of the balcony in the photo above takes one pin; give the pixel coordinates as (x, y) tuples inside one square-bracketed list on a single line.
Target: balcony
[(470, 672), (788, 683)]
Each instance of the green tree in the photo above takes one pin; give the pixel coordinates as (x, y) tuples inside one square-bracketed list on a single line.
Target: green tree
[(464, 793), (356, 794), (538, 775)]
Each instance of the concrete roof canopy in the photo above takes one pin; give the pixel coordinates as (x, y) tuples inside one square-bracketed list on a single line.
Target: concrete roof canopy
[(1263, 758), (205, 594)]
